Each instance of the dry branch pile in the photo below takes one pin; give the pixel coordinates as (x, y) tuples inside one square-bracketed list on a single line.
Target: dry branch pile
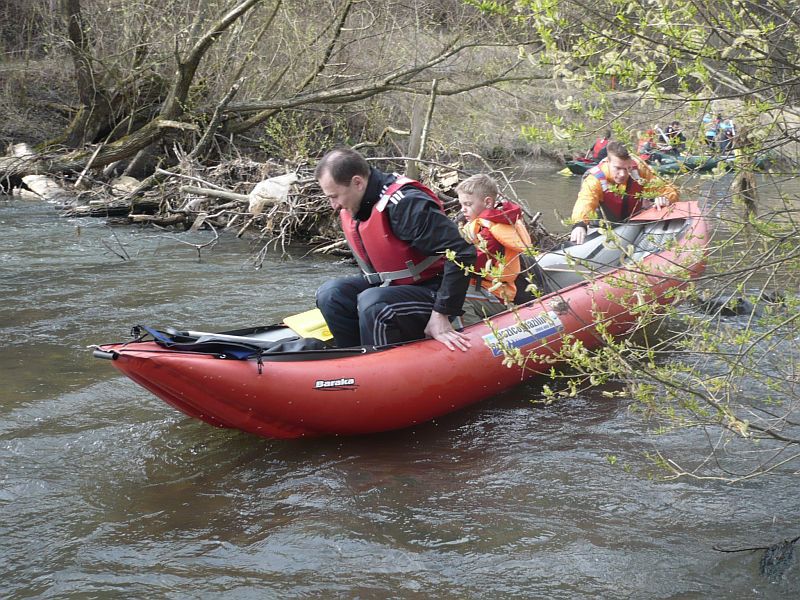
[(271, 202)]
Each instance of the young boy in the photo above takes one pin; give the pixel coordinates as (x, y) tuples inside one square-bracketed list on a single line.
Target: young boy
[(500, 236)]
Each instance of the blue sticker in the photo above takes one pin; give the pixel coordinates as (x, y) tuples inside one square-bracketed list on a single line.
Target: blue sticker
[(524, 333)]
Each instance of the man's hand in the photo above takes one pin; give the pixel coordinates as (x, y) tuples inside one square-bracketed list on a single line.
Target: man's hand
[(578, 235), (661, 202), (440, 329)]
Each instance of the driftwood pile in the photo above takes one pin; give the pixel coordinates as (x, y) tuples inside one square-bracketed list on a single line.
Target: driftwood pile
[(271, 202)]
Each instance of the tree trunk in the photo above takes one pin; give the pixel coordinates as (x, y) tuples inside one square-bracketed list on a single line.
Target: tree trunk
[(94, 112)]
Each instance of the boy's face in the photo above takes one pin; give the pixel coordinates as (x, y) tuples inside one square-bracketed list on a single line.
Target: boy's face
[(472, 205)]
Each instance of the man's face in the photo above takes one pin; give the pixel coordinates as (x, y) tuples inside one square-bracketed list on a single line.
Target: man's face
[(620, 169), (343, 197)]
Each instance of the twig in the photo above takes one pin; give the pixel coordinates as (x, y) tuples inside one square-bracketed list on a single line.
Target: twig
[(88, 165), (753, 548), (123, 254), (329, 247), (377, 141), (190, 177), (198, 247)]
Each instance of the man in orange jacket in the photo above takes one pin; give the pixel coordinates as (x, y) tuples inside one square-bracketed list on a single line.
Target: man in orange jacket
[(616, 189)]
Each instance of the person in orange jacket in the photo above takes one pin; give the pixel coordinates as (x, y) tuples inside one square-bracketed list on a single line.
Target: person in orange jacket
[(498, 231), (616, 189)]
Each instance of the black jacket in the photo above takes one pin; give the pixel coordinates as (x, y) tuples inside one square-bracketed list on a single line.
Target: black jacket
[(427, 228)]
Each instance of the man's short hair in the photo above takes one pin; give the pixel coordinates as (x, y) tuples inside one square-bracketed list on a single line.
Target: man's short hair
[(342, 164), (479, 185), (618, 149)]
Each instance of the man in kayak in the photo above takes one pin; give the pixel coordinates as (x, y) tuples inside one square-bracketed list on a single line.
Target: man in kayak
[(599, 150), (646, 145), (499, 234), (674, 133), (616, 189), (399, 233)]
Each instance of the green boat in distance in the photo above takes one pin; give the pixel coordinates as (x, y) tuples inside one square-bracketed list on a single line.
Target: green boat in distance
[(673, 165)]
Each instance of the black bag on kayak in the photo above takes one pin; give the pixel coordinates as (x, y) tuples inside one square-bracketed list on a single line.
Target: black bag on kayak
[(529, 269), (227, 347)]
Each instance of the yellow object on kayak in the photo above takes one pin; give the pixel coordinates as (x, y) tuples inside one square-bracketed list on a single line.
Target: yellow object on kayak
[(565, 171), (310, 324)]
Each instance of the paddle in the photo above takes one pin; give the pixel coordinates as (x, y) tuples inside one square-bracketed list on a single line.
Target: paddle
[(310, 323), (663, 135)]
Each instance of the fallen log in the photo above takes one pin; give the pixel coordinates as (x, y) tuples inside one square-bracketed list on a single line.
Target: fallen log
[(265, 193), (98, 209), (33, 164), (163, 221), (212, 193)]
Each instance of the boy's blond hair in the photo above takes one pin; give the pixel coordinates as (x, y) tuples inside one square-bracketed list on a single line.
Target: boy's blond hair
[(479, 185)]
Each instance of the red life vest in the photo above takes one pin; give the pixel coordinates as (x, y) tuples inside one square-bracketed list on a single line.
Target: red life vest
[(645, 147), (599, 145), (383, 257), (616, 207)]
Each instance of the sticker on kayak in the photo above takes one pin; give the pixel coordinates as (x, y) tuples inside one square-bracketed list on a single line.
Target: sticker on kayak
[(331, 385), (522, 334)]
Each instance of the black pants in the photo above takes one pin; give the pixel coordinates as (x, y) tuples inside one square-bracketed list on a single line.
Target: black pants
[(360, 314)]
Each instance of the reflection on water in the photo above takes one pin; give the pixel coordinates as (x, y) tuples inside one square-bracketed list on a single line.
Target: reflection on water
[(108, 492)]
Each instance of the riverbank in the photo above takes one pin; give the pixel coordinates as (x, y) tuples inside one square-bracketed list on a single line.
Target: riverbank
[(39, 99)]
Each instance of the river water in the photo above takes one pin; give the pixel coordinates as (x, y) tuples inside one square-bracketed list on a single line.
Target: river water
[(107, 492)]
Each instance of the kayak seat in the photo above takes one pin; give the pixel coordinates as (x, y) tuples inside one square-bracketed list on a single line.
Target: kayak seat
[(657, 236), (600, 253)]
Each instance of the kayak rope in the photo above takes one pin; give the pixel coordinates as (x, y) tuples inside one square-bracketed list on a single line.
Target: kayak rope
[(138, 333), (122, 350)]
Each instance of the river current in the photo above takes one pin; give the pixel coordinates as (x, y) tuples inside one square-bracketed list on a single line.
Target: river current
[(107, 492)]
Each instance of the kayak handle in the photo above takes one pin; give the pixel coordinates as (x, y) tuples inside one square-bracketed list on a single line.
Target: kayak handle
[(108, 355)]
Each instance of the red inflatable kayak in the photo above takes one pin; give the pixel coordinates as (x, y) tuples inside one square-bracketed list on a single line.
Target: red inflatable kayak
[(232, 380)]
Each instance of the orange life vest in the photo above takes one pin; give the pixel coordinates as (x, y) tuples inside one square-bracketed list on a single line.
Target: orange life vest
[(508, 228)]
